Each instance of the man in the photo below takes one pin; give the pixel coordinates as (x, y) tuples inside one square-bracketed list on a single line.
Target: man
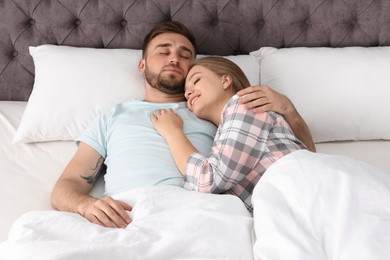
[(124, 138)]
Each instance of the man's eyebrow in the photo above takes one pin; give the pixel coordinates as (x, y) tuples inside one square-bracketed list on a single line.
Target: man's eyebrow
[(164, 45)]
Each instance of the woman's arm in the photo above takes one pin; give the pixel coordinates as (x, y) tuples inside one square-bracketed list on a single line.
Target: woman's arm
[(227, 164), (170, 126), (264, 98), (238, 147)]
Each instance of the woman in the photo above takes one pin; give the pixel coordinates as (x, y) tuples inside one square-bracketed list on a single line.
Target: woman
[(246, 143)]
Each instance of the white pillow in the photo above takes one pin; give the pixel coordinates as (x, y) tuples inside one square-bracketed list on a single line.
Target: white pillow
[(342, 93), (74, 85)]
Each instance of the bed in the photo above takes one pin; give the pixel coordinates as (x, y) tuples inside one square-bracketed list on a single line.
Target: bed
[(331, 58)]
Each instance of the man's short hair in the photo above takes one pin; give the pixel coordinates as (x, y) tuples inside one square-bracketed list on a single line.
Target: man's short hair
[(168, 27)]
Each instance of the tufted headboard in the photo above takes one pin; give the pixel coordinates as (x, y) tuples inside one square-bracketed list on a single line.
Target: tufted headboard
[(223, 27)]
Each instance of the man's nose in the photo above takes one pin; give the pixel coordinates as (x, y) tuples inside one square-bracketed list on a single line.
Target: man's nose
[(174, 58)]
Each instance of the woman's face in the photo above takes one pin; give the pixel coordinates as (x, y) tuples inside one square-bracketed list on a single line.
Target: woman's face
[(205, 92)]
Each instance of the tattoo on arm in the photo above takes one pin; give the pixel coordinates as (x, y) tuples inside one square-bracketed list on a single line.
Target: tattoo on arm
[(99, 167)]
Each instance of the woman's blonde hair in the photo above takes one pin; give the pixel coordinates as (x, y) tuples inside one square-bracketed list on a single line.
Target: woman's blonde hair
[(222, 66)]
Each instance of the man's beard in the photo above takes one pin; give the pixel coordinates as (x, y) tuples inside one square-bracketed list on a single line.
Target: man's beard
[(169, 85)]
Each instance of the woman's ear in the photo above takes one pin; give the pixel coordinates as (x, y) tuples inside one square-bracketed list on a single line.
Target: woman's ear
[(226, 81)]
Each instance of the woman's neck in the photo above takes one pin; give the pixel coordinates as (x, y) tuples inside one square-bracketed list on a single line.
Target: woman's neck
[(216, 113)]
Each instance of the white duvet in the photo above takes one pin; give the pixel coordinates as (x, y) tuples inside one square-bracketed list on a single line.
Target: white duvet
[(317, 206), (307, 206), (168, 223)]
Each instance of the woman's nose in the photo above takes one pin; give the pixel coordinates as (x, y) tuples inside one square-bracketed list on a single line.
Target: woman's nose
[(187, 94)]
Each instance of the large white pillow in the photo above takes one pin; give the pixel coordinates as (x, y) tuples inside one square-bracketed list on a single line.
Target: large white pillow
[(342, 93), (74, 85)]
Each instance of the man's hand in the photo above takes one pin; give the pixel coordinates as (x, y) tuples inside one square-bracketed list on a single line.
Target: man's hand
[(263, 98), (107, 212), (71, 191)]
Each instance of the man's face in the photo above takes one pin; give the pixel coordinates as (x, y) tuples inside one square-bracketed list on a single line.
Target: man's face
[(167, 61)]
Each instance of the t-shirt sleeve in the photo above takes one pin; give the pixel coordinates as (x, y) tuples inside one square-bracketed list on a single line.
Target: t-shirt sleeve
[(95, 135)]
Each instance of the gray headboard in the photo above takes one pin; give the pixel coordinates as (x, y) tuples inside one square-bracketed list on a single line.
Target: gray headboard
[(223, 27)]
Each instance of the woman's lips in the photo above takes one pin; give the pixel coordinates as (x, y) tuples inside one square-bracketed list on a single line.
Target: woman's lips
[(192, 101)]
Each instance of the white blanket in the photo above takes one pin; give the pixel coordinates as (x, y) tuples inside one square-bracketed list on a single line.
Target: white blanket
[(306, 206), (168, 223), (317, 206)]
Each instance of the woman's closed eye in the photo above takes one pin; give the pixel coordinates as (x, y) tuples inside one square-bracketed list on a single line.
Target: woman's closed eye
[(196, 80)]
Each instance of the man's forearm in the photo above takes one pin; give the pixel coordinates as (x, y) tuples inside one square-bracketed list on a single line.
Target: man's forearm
[(67, 196), (300, 128)]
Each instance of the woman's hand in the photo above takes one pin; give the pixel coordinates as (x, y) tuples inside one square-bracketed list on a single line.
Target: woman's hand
[(167, 122), (170, 126)]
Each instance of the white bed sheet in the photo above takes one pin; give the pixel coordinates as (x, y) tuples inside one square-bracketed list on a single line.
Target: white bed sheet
[(28, 172), (376, 153)]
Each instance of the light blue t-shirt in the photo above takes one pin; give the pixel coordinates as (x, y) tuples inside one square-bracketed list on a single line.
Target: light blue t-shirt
[(136, 155)]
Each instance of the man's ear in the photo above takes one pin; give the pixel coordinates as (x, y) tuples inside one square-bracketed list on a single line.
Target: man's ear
[(226, 81), (141, 66)]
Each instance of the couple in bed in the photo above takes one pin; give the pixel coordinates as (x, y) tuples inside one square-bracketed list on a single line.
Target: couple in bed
[(125, 143)]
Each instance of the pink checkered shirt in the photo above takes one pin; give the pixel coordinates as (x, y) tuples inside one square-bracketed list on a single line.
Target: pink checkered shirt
[(245, 145)]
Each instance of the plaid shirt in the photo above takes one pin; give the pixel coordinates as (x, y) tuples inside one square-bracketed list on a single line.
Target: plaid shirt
[(245, 145)]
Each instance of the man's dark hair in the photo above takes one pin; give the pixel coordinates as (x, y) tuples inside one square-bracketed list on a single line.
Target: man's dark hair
[(168, 27)]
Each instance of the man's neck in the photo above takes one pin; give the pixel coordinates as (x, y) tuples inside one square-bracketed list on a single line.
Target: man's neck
[(156, 96)]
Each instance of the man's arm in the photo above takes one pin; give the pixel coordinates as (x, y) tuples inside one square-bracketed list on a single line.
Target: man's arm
[(264, 98), (71, 191)]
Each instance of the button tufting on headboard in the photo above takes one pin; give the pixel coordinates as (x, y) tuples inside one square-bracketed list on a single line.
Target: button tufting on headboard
[(221, 27)]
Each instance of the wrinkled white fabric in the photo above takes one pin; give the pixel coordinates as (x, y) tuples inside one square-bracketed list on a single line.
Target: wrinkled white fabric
[(168, 223), (318, 206)]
